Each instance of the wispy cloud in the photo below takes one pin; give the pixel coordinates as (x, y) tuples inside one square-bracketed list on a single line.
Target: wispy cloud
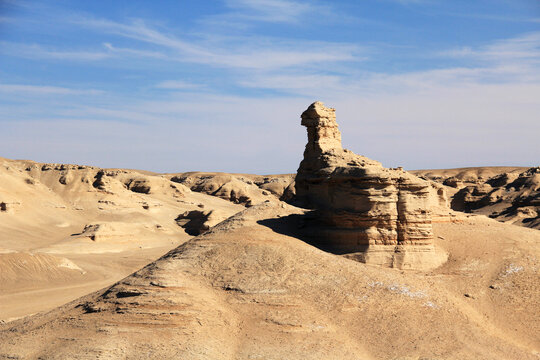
[(17, 3), (45, 90), (249, 14), (494, 17), (507, 60), (35, 51), (177, 85), (232, 52), (524, 47), (138, 30), (313, 84), (272, 10), (371, 84), (108, 51), (411, 2), (133, 52)]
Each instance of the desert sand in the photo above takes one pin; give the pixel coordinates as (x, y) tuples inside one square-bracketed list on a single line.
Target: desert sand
[(344, 260)]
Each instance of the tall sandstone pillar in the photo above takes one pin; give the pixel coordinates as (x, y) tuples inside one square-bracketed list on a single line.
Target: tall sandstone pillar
[(371, 213)]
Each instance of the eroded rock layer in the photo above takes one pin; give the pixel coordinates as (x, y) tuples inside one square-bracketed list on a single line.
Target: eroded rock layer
[(377, 215), (507, 194)]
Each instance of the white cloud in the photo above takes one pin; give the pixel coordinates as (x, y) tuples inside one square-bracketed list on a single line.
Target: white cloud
[(244, 16), (177, 85), (371, 84), (45, 90), (35, 51), (271, 10), (233, 52), (522, 48), (138, 30), (133, 52), (494, 17), (411, 2), (300, 84)]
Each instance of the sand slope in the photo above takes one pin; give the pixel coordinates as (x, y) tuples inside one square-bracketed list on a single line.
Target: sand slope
[(105, 222), (247, 289)]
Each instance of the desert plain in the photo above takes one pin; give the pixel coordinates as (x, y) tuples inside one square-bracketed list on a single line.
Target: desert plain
[(345, 259)]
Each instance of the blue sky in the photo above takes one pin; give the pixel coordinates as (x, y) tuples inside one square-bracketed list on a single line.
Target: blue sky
[(219, 85)]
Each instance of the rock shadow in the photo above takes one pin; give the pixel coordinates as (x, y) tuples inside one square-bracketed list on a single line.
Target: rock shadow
[(304, 227)]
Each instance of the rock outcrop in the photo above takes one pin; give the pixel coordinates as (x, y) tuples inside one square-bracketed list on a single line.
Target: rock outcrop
[(8, 205), (196, 222), (507, 194), (371, 213), (508, 197), (244, 189)]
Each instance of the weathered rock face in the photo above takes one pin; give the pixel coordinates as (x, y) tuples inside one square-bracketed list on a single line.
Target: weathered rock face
[(244, 189), (374, 214), (508, 197)]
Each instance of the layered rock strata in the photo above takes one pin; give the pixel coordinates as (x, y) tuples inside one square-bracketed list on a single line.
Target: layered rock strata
[(508, 197), (373, 214)]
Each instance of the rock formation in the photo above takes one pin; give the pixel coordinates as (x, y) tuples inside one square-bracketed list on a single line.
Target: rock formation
[(244, 189), (196, 222), (508, 197), (504, 193), (373, 214)]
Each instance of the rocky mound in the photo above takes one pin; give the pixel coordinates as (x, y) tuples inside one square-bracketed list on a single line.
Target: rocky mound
[(507, 197), (460, 177), (58, 201), (374, 214), (242, 189), (507, 194), (196, 222)]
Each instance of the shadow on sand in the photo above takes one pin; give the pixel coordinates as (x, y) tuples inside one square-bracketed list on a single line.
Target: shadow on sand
[(305, 227)]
